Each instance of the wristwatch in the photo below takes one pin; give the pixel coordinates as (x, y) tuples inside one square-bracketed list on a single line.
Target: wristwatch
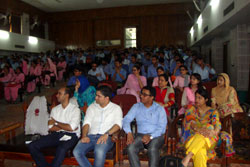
[(107, 133)]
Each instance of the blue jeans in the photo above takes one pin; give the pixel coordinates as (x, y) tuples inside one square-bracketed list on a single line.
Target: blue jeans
[(52, 140), (100, 151)]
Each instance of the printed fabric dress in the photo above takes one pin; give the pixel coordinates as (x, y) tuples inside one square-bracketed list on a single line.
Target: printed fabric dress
[(209, 120)]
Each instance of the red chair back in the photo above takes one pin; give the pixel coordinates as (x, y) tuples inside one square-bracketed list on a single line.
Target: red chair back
[(109, 83), (126, 101), (209, 86)]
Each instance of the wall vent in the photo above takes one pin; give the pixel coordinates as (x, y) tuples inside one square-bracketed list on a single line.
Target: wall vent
[(205, 29), (229, 9), (20, 46)]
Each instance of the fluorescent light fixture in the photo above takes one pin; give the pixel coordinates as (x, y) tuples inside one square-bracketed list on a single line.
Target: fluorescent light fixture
[(192, 31), (199, 21), (4, 34), (214, 3), (33, 40)]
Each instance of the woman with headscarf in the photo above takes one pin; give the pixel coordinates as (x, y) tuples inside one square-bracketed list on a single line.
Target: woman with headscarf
[(84, 95), (34, 72), (224, 97), (61, 67)]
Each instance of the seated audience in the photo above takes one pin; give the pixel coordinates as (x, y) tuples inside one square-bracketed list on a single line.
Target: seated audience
[(188, 95), (203, 69), (11, 89), (164, 93), (134, 83), (103, 118), (152, 68), (177, 71), (160, 70), (182, 80), (97, 72), (64, 125), (78, 74), (83, 94), (151, 122), (201, 129), (35, 72), (118, 74), (224, 97), (61, 67)]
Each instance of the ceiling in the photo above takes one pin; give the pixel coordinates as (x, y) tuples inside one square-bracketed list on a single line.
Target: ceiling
[(69, 5)]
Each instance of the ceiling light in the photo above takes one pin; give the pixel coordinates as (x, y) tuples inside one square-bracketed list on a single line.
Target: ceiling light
[(199, 21), (214, 3), (192, 31), (33, 40), (99, 1), (4, 34)]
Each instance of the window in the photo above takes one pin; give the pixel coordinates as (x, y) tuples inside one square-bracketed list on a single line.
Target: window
[(130, 37)]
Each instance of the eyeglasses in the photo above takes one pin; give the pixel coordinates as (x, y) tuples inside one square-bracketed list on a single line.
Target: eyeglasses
[(182, 69), (134, 70), (144, 94)]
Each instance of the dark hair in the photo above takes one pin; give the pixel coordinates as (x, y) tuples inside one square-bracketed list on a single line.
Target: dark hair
[(119, 60), (20, 69), (150, 89), (183, 66), (161, 60), (67, 91), (78, 68), (198, 77), (165, 76), (180, 60), (134, 55), (160, 68), (105, 90), (203, 92), (155, 57), (137, 66)]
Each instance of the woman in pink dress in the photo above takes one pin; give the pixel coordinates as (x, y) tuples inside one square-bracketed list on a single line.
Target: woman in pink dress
[(24, 66), (61, 67), (182, 80), (188, 96), (34, 72), (134, 83), (11, 89), (49, 71), (6, 79)]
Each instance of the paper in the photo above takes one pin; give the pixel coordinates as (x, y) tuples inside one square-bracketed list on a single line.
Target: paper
[(65, 138)]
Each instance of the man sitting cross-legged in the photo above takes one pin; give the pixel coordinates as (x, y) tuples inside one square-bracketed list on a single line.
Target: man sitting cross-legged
[(64, 127)]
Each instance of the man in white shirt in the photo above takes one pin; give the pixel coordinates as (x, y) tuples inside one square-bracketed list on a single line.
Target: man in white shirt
[(103, 118), (97, 72), (64, 125)]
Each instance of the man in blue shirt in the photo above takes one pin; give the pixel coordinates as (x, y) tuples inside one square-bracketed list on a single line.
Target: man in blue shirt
[(118, 74), (152, 68), (203, 69), (151, 123)]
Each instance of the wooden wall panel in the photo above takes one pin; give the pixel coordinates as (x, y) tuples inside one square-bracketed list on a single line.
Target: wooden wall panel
[(157, 25)]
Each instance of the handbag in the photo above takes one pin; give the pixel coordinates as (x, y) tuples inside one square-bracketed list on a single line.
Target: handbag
[(170, 161)]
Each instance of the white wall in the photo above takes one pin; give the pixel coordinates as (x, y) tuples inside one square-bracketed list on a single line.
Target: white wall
[(42, 45), (212, 16)]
